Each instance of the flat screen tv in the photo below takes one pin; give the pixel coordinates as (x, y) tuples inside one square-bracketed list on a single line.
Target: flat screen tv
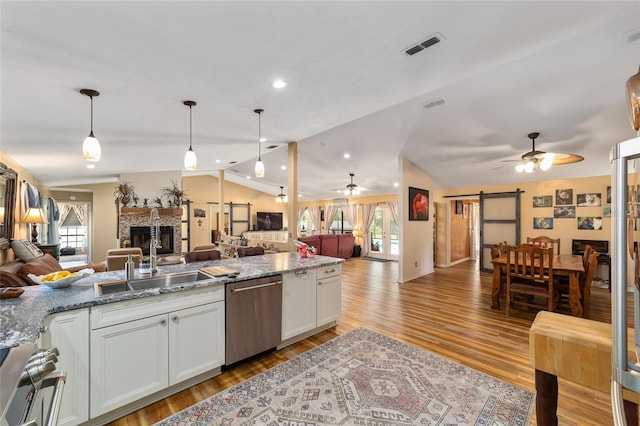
[(269, 221)]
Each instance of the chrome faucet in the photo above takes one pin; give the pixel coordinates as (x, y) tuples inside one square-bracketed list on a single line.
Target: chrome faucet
[(154, 244)]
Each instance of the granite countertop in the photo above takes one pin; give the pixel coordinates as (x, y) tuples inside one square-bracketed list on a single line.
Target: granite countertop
[(22, 317)]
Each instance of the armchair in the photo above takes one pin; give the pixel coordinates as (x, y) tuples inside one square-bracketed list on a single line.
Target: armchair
[(116, 258)]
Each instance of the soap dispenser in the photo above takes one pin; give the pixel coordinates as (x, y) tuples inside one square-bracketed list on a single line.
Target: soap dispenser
[(129, 267)]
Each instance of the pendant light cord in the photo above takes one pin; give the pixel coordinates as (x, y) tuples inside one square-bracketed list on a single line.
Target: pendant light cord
[(259, 133), (91, 97), (190, 128)]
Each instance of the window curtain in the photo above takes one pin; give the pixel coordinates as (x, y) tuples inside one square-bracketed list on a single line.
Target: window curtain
[(350, 213), (330, 211), (314, 217), (368, 212), (393, 208), (301, 211)]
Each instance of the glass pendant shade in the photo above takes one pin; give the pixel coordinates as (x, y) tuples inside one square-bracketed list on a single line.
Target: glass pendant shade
[(633, 93), (282, 197), (190, 160), (259, 168), (91, 148)]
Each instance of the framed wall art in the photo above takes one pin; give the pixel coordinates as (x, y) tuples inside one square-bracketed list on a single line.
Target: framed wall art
[(418, 204), (593, 199), (564, 197), (542, 223), (542, 200)]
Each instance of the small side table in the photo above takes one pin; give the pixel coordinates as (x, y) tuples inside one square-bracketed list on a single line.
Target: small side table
[(357, 250), (52, 249)]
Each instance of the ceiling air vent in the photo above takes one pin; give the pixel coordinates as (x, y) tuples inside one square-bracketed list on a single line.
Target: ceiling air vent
[(434, 103), (632, 36), (419, 47), (272, 146)]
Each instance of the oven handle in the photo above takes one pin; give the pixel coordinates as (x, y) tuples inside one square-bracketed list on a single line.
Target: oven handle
[(237, 290), (58, 383)]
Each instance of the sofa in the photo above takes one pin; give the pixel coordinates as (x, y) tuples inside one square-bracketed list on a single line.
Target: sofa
[(334, 245), (14, 270), (116, 258)]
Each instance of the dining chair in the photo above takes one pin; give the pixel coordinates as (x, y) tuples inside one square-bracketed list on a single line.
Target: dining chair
[(530, 274), (585, 283), (502, 248), (545, 242)]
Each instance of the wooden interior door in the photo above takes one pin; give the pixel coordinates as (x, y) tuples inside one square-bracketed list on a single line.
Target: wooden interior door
[(499, 221)]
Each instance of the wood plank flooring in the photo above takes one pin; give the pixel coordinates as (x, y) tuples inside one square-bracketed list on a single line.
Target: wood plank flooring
[(447, 313)]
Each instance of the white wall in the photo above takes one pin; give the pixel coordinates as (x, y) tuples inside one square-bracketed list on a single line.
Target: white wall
[(416, 254)]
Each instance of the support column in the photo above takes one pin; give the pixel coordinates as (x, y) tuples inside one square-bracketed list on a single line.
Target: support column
[(292, 190), (220, 201)]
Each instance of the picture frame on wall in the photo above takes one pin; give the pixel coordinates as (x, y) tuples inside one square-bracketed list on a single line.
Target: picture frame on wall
[(564, 197), (564, 212), (418, 204), (459, 206), (590, 222), (592, 199), (542, 223), (199, 213), (606, 210), (542, 200)]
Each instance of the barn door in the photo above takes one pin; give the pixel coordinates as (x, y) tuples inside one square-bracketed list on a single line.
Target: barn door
[(499, 221)]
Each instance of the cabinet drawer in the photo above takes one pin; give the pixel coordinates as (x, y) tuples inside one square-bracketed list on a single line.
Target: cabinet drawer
[(129, 310), (329, 271)]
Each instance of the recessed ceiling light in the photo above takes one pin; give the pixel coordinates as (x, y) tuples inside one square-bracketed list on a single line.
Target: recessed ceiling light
[(263, 139), (248, 177), (91, 166), (279, 84), (347, 155), (217, 161), (283, 167), (396, 184)]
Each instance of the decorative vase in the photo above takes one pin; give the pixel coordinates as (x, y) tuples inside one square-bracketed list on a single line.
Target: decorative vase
[(125, 200)]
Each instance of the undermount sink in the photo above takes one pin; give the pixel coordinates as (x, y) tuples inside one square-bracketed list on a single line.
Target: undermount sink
[(167, 280)]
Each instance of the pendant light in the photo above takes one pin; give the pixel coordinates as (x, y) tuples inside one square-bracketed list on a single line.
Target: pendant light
[(91, 146), (281, 197), (190, 160), (259, 164), (633, 93), (352, 188)]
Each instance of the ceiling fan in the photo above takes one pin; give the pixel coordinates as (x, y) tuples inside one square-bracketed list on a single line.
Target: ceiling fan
[(534, 159)]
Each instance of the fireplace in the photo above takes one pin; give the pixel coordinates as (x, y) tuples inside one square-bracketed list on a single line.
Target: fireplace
[(140, 236)]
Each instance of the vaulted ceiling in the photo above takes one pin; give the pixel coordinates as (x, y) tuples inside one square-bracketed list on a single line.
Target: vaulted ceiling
[(503, 70)]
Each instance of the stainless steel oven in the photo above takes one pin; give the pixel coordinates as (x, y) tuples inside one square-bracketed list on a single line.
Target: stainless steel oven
[(30, 387)]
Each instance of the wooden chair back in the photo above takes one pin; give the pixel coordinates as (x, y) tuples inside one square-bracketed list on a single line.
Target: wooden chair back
[(545, 242), (585, 284), (530, 273), (586, 255), (502, 248)]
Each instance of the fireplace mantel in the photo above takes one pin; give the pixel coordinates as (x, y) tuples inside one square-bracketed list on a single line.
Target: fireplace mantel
[(127, 211)]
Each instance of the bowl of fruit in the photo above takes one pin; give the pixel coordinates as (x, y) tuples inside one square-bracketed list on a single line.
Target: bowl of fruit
[(60, 279)]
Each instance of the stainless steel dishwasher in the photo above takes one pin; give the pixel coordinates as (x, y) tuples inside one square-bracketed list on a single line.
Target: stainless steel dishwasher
[(254, 317)]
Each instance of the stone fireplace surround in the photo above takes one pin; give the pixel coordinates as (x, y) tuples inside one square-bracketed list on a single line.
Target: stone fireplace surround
[(141, 216)]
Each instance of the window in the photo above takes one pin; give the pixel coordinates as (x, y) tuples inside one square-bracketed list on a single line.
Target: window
[(72, 236), (340, 225)]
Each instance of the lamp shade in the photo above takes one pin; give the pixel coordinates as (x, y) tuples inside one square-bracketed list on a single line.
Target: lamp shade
[(259, 168), (1, 214), (91, 148), (190, 160), (34, 215), (633, 93)]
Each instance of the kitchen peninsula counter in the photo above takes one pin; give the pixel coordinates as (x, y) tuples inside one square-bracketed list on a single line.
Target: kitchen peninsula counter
[(21, 318)]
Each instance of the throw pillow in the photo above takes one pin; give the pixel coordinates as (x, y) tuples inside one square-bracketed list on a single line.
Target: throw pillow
[(40, 266), (25, 250)]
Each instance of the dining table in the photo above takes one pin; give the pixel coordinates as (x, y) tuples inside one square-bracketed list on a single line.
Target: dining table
[(563, 265)]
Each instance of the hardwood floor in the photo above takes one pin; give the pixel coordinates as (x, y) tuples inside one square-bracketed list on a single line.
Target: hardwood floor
[(447, 313)]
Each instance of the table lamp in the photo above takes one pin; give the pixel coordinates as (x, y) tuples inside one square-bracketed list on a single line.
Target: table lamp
[(34, 216)]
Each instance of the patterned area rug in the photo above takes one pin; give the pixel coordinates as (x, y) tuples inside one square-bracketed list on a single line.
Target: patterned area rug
[(365, 378)]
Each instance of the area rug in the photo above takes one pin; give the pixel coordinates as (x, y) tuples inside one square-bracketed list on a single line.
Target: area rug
[(364, 378)]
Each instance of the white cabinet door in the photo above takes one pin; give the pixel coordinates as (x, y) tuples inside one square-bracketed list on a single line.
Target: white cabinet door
[(329, 298), (69, 332), (298, 302), (196, 341), (128, 361)]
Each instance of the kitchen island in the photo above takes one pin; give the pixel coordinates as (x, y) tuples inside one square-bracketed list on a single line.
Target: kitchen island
[(134, 347)]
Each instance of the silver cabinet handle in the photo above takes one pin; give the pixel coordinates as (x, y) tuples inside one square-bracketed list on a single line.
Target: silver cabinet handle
[(56, 400), (163, 321), (298, 273), (330, 272)]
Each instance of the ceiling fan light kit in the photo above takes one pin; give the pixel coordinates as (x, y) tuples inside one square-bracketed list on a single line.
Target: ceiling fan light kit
[(540, 160), (91, 146), (282, 197), (352, 188), (633, 93)]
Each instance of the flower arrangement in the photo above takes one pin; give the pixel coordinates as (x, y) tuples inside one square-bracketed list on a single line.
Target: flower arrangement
[(125, 192), (174, 191)]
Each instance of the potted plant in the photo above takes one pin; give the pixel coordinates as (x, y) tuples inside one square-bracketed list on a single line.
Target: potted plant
[(124, 192), (174, 191)]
